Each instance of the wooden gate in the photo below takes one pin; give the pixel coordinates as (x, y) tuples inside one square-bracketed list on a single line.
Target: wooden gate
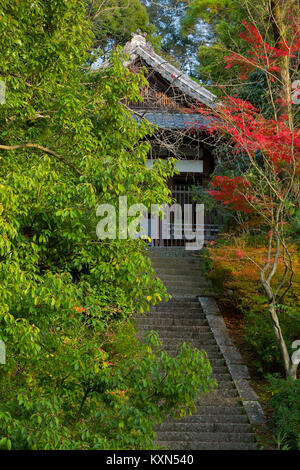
[(182, 195)]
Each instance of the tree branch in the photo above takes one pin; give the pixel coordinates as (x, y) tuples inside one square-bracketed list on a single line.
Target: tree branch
[(43, 149)]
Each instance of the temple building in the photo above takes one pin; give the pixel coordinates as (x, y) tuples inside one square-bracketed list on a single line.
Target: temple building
[(170, 102)]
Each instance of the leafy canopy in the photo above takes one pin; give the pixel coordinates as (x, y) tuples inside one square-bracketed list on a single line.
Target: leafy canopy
[(76, 377)]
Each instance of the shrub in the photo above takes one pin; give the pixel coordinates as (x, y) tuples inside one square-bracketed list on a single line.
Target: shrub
[(232, 270), (259, 336), (112, 403), (285, 403)]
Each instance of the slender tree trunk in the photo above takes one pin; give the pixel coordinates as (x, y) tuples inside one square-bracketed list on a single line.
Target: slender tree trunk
[(278, 9), (290, 368), (292, 372)]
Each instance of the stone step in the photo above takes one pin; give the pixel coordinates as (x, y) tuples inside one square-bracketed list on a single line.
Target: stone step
[(179, 318), (211, 350), (180, 303), (182, 268), (204, 436), (178, 331), (178, 272), (179, 312), (157, 257), (224, 378), (211, 418), (175, 352), (171, 308), (169, 334), (180, 288), (195, 341), (220, 368), (225, 384), (190, 295), (183, 302), (221, 376), (177, 315), (189, 275), (215, 427), (178, 267), (165, 321), (232, 408), (196, 445), (173, 275), (212, 360), (172, 347), (174, 259), (188, 291), (170, 325), (191, 290), (179, 282), (217, 361), (202, 341), (168, 262), (203, 292), (220, 421), (219, 397), (168, 320)]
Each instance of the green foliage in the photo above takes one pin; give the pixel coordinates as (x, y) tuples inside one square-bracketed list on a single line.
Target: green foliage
[(295, 226), (256, 91), (65, 295), (208, 9), (223, 19), (259, 335), (285, 404), (113, 21), (221, 25), (108, 406)]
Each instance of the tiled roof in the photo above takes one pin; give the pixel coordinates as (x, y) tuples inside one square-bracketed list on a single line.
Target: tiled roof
[(174, 120), (138, 47)]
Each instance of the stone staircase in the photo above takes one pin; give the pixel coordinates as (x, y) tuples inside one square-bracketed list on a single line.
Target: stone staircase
[(220, 422)]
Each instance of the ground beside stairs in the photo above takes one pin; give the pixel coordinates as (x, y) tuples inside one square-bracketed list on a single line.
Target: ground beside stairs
[(220, 422)]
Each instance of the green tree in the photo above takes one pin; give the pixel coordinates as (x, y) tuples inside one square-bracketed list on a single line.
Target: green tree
[(75, 375), (113, 21), (223, 21)]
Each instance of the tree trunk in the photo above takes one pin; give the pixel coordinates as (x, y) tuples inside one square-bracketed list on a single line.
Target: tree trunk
[(290, 368), (292, 372), (278, 7)]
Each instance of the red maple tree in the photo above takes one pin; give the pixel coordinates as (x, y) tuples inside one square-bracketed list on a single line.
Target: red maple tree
[(270, 185)]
